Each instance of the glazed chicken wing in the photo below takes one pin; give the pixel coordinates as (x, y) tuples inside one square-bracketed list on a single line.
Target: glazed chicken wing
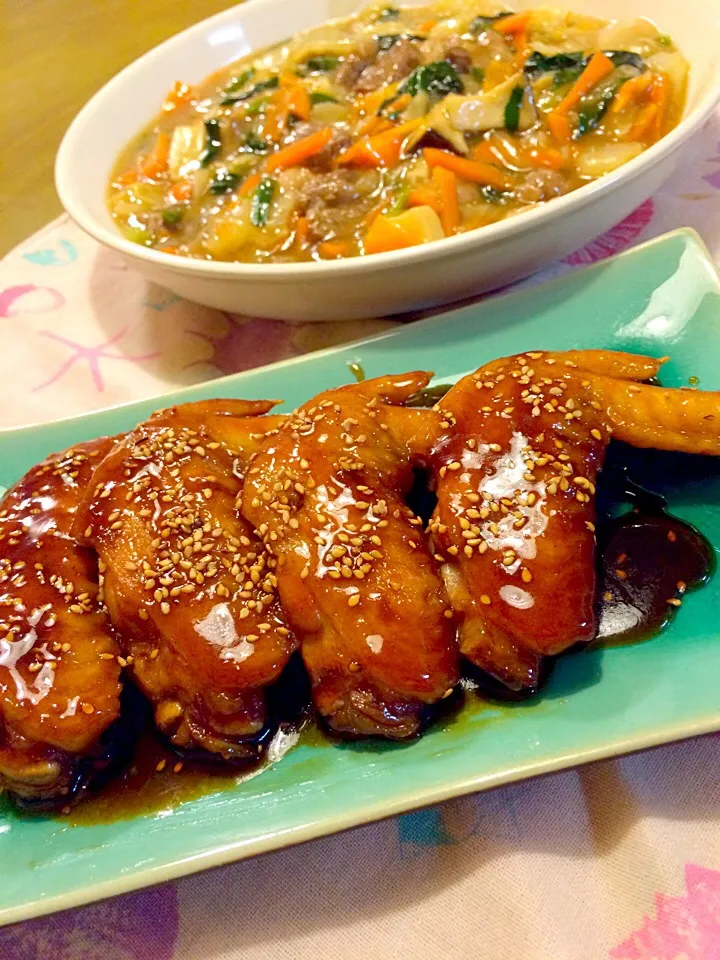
[(516, 473), (59, 670), (190, 588), (356, 578)]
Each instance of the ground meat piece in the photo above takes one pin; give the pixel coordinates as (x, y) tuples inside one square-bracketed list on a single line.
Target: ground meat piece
[(449, 48), (332, 200), (390, 66), (541, 185), (459, 58), (323, 162), (349, 72)]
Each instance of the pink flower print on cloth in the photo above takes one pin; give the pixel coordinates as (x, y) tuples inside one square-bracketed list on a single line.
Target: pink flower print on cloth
[(618, 238), (684, 928), (139, 926)]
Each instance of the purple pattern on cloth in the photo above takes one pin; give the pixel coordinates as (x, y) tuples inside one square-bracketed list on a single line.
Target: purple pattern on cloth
[(14, 295), (92, 355), (138, 926), (253, 343), (713, 179), (683, 927), (618, 238)]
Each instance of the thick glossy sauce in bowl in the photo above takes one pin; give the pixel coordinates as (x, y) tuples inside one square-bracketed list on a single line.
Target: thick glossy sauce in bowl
[(393, 128)]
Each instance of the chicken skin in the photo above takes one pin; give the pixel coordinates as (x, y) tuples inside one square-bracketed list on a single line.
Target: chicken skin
[(60, 692), (516, 471), (355, 575), (189, 587)]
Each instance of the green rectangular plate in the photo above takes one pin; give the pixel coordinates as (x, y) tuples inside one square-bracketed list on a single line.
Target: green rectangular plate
[(661, 298)]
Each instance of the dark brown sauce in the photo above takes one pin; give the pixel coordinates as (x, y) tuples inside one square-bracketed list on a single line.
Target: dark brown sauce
[(659, 557), (648, 560), (159, 779)]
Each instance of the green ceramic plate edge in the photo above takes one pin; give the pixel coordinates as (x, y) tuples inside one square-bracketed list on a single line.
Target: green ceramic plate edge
[(660, 298)]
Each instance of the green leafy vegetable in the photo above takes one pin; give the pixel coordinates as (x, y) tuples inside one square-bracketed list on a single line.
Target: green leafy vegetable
[(665, 40), (567, 67), (593, 109), (429, 396), (626, 58), (401, 200), (478, 74), (213, 142), (318, 97), (389, 13), (537, 63), (492, 195), (257, 106), (224, 182), (512, 109), (253, 144), (238, 82), (262, 201), (387, 41), (438, 78), (270, 84), (480, 24), (321, 64), (172, 215)]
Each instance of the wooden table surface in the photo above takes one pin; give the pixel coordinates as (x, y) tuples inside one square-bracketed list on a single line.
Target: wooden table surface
[(57, 53)]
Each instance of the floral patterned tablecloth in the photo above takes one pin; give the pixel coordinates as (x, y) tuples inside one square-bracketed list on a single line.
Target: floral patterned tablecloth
[(618, 860)]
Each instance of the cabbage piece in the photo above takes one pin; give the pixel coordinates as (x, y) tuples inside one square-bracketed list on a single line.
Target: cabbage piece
[(556, 31), (677, 69), (597, 160), (640, 36), (439, 121), (486, 111), (186, 146)]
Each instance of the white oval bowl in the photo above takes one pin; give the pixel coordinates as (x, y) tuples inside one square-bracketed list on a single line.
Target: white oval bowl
[(387, 283)]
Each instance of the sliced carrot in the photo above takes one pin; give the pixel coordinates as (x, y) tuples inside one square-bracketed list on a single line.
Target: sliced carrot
[(446, 184), (427, 26), (384, 235), (169, 248), (370, 217), (182, 191), (302, 229), (382, 149), (559, 126), (409, 229), (274, 118), (156, 162), (473, 170), (372, 125), (425, 197), (298, 101), (512, 24), (597, 69), (633, 89), (660, 95), (646, 121), (333, 249), (401, 103), (371, 102), (180, 94), (125, 179), (249, 185), (301, 150), (545, 157)]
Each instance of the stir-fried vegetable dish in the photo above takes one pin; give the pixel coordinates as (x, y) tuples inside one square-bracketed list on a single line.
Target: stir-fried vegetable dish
[(394, 128)]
